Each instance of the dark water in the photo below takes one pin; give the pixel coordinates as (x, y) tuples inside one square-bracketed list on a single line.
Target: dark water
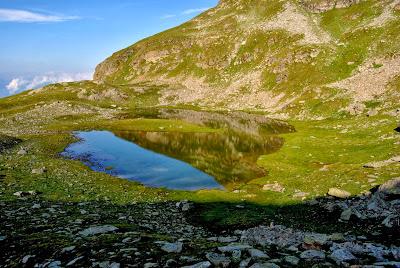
[(186, 161)]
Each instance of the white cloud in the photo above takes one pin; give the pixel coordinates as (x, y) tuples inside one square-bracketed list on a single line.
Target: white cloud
[(194, 10), (15, 85), (21, 83), (18, 15)]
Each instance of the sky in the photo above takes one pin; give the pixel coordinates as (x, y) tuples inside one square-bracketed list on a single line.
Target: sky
[(47, 41)]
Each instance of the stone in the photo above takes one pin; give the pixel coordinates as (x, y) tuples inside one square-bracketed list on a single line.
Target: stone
[(337, 237), (27, 259), (204, 264), (227, 239), (22, 152), (54, 264), (233, 247), (338, 193), (312, 255), (265, 265), (36, 206), (67, 249), (346, 214), (219, 260), (95, 230), (24, 194), (274, 187), (257, 254), (291, 260), (39, 171), (74, 261), (150, 265), (236, 255), (278, 235), (390, 189), (245, 263), (171, 247), (342, 255), (316, 239), (3, 237)]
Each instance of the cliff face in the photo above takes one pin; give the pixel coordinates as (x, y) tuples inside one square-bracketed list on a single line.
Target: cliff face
[(271, 55)]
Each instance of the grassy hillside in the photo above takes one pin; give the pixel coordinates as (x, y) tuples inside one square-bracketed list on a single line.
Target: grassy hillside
[(291, 58)]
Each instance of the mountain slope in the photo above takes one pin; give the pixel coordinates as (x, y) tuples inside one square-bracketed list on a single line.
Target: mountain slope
[(304, 58)]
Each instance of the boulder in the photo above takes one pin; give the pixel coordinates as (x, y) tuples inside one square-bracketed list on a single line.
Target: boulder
[(275, 187), (204, 264), (265, 265), (338, 193), (342, 255), (313, 255), (390, 189), (171, 247), (95, 230), (257, 254), (233, 247), (218, 260), (39, 171), (291, 260)]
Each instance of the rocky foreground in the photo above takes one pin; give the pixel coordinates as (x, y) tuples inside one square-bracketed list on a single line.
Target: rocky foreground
[(37, 233)]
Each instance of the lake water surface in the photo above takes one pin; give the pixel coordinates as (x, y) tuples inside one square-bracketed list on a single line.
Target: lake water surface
[(180, 160)]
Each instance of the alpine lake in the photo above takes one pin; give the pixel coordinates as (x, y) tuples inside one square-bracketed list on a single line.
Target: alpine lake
[(183, 160)]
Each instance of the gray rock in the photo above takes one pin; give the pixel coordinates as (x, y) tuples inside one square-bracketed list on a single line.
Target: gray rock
[(22, 152), (39, 171), (27, 258), (54, 264), (68, 249), (150, 265), (291, 260), (95, 230), (245, 263), (346, 214), (171, 247), (204, 264), (236, 255), (338, 193), (219, 260), (74, 261), (227, 239), (265, 265), (257, 254), (312, 255), (342, 255), (3, 237), (275, 187), (273, 236), (233, 247), (390, 189), (312, 239)]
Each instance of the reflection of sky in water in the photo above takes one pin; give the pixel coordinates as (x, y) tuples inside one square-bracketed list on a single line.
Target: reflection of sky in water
[(102, 149)]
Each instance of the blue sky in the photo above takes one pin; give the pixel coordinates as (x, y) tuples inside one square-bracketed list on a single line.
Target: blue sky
[(50, 40)]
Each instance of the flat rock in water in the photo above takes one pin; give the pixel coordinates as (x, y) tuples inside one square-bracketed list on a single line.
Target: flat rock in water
[(338, 193), (95, 230)]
